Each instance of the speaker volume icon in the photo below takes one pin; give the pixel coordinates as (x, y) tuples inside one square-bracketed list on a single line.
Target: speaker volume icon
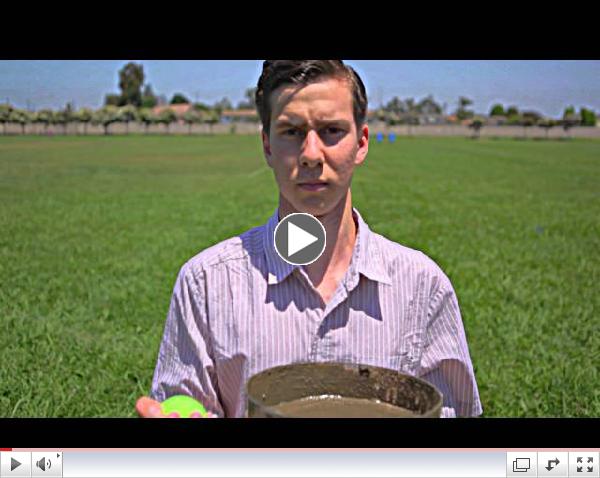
[(43, 464)]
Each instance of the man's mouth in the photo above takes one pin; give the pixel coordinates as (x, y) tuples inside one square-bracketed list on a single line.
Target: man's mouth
[(313, 185)]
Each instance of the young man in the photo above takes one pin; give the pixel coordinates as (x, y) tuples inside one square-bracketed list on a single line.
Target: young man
[(238, 308)]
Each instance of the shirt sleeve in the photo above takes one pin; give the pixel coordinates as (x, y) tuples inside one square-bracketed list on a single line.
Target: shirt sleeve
[(185, 365), (446, 362)]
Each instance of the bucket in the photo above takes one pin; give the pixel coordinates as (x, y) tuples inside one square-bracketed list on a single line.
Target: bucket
[(340, 390)]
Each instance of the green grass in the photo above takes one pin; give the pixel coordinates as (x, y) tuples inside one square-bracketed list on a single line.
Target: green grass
[(93, 231)]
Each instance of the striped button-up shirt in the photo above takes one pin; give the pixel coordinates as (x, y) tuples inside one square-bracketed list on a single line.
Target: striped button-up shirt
[(238, 308)]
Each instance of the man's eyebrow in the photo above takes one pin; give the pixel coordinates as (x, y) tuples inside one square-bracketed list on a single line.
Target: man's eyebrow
[(282, 122)]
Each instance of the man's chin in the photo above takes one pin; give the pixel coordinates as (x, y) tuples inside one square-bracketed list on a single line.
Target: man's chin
[(316, 209)]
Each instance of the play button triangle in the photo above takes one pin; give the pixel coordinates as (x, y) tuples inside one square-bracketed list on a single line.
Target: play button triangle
[(298, 239)]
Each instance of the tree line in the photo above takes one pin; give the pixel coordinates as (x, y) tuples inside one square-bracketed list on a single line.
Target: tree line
[(136, 102)]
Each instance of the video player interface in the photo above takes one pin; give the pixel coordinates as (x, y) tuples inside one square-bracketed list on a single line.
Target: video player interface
[(299, 463)]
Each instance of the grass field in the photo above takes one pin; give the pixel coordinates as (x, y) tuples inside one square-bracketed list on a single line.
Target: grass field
[(94, 230)]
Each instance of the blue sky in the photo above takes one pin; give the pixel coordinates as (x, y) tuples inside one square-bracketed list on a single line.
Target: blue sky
[(545, 86)]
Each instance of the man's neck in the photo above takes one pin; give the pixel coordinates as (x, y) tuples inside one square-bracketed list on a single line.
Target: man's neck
[(341, 233)]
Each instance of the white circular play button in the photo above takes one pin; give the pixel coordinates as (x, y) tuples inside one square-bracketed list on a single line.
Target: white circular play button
[(299, 239)]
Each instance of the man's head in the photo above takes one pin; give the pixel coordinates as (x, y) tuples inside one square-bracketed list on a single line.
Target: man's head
[(314, 132)]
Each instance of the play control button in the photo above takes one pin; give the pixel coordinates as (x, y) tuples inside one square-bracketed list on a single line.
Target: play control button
[(14, 464), (299, 239)]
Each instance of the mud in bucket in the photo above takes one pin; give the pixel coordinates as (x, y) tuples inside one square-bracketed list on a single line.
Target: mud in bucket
[(337, 390)]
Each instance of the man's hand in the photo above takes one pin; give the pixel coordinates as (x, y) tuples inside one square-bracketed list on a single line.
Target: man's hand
[(148, 408)]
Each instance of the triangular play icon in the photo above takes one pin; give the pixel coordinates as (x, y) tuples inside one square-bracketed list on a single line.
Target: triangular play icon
[(298, 239), (14, 464)]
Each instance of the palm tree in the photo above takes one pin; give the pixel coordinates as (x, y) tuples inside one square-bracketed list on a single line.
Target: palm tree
[(84, 116), (5, 112), (126, 114), (167, 117)]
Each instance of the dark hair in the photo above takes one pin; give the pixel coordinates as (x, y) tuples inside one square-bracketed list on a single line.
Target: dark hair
[(303, 72)]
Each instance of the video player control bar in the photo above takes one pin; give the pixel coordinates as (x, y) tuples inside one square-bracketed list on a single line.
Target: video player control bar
[(297, 463)]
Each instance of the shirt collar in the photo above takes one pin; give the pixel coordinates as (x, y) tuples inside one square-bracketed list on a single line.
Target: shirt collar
[(367, 258)]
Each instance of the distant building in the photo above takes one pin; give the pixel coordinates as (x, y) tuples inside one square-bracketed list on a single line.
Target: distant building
[(496, 120), (179, 109), (243, 116)]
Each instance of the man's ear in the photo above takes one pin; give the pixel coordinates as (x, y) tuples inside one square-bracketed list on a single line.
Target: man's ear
[(267, 148), (363, 145)]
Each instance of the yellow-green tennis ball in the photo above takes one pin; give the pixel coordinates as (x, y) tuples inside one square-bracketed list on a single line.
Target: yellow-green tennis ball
[(183, 405)]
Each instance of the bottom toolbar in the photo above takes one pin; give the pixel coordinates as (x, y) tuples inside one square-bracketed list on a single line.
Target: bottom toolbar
[(297, 463)]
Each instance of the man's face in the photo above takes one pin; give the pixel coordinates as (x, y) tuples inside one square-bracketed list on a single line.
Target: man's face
[(313, 145)]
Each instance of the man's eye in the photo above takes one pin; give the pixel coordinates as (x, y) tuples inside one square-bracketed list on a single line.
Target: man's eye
[(333, 130), (291, 132)]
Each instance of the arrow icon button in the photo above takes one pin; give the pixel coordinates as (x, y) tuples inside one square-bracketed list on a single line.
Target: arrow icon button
[(14, 464)]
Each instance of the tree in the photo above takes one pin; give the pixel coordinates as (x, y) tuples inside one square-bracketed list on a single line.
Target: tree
[(64, 117), (392, 118), (396, 105), (105, 117), (21, 117), (250, 100), (84, 115), (112, 100), (222, 105), (526, 122), (147, 117), (462, 112), (512, 111), (5, 111), (149, 99), (569, 111), (380, 115), (547, 124), (191, 117), (588, 117), (131, 79), (497, 110), (201, 107), (476, 126), (212, 118), (61, 117), (45, 117), (179, 99), (127, 114), (167, 117), (428, 106)]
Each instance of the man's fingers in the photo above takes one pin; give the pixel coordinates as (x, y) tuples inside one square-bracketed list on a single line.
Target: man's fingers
[(148, 408)]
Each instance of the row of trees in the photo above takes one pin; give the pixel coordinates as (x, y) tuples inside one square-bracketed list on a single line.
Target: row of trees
[(409, 111), (201, 114), (105, 116)]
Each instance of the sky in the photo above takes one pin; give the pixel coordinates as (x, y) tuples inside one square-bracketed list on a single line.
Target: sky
[(545, 86)]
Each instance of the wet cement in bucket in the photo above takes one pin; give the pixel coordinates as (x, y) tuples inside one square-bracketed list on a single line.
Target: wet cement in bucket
[(340, 390), (336, 406)]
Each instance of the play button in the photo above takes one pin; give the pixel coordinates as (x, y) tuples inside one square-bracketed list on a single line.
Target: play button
[(299, 239), (14, 464)]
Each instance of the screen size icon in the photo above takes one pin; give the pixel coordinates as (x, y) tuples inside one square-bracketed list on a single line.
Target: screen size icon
[(521, 465)]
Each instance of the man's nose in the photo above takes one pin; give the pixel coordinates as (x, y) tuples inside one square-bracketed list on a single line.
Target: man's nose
[(312, 151)]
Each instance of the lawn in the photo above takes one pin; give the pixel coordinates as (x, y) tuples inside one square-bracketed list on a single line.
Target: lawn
[(93, 231)]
